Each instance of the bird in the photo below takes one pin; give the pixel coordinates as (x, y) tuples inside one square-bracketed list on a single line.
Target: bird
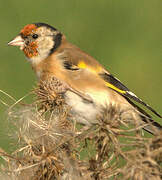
[(90, 86)]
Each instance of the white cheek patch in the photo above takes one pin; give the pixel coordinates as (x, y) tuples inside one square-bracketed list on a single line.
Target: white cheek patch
[(45, 44)]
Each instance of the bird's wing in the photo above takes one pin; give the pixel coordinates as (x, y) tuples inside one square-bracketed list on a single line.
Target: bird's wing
[(120, 88), (81, 60)]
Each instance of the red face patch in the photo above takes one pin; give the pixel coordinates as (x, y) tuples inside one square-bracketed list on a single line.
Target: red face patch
[(31, 50), (28, 29)]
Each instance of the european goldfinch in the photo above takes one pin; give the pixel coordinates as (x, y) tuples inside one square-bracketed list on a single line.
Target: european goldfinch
[(91, 86)]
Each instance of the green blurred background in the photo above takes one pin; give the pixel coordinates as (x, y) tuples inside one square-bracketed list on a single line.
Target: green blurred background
[(124, 35)]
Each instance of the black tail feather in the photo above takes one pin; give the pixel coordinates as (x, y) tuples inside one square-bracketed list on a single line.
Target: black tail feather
[(143, 103), (156, 127)]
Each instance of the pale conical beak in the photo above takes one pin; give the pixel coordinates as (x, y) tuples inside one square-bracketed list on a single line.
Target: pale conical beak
[(17, 41)]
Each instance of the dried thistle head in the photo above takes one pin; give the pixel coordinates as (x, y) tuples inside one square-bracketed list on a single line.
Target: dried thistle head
[(146, 162), (47, 148), (50, 146), (49, 93), (46, 144)]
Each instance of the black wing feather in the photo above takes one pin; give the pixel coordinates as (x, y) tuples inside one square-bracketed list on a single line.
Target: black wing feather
[(126, 92)]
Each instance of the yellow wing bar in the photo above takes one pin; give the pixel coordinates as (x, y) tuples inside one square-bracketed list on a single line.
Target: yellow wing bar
[(115, 88)]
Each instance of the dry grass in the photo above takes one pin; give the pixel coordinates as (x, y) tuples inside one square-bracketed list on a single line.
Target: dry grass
[(50, 146)]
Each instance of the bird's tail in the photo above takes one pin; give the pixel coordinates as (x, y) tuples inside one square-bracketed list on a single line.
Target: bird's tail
[(151, 126)]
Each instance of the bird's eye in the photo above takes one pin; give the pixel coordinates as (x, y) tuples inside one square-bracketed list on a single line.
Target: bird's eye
[(35, 36)]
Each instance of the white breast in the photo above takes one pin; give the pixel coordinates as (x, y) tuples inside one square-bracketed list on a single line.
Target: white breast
[(84, 111)]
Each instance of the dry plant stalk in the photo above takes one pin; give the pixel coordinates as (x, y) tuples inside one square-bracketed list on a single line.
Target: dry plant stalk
[(50, 146)]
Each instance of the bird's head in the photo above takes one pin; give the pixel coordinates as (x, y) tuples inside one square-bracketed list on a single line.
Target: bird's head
[(37, 41)]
